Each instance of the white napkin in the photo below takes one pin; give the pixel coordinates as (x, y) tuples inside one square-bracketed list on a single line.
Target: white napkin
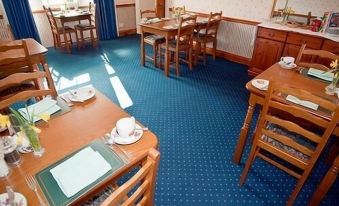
[(304, 103), (328, 76), (45, 106), (79, 171)]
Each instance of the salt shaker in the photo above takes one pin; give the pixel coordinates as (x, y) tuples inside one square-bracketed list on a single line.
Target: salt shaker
[(4, 169)]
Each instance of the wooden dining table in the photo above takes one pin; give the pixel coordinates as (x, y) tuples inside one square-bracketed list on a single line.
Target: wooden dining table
[(167, 28), (35, 50), (289, 78), (71, 16), (71, 131)]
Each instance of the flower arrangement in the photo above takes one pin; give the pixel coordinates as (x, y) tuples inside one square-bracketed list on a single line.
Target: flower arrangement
[(27, 126)]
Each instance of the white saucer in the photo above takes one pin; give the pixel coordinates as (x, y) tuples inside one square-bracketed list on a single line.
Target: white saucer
[(261, 84), (284, 66), (20, 200), (129, 140), (82, 94)]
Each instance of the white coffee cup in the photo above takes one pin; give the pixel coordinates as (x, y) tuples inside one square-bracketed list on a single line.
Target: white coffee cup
[(288, 61), (125, 127)]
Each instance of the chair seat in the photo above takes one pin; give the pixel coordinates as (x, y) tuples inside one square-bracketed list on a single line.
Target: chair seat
[(67, 29), (293, 136), (173, 44), (15, 89), (84, 26), (99, 198), (200, 37), (152, 39)]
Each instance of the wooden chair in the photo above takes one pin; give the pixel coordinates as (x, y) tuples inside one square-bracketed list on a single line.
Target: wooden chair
[(208, 35), (139, 189), (183, 42), (59, 32), (286, 140), (318, 59), (20, 63), (88, 26), (21, 78), (325, 184), (152, 39)]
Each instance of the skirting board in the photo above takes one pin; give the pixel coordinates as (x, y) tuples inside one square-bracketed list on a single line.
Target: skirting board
[(127, 32), (231, 57)]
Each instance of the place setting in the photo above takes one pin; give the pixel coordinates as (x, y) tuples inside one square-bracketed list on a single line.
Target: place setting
[(81, 95)]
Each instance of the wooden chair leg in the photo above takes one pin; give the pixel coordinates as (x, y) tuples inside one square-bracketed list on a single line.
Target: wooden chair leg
[(214, 48), (70, 38), (190, 59), (248, 165), (298, 187), (67, 43), (82, 39), (155, 62), (77, 39), (92, 38), (204, 53), (177, 62), (325, 184), (54, 41)]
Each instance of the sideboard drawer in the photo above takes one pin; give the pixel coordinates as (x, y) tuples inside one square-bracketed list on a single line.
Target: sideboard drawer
[(299, 39), (331, 46), (272, 34)]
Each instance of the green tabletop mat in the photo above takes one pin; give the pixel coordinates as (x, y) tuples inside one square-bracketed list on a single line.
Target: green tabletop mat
[(304, 72), (50, 187)]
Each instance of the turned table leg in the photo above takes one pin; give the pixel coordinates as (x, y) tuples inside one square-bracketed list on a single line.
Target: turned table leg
[(244, 131)]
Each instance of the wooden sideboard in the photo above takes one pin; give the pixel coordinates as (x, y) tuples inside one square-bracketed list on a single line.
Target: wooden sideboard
[(272, 44)]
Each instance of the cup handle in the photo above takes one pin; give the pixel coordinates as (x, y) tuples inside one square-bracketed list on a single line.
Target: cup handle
[(282, 59)]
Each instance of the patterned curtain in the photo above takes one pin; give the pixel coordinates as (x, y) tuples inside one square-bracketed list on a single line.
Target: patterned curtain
[(106, 21), (21, 19)]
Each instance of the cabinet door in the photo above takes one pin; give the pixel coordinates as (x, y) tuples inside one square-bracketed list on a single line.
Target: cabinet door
[(331, 46), (266, 53), (291, 50)]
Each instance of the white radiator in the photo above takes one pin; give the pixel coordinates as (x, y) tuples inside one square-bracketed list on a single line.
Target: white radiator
[(5, 33), (236, 38)]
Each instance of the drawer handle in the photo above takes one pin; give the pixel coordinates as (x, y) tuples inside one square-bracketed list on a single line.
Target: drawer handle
[(271, 35)]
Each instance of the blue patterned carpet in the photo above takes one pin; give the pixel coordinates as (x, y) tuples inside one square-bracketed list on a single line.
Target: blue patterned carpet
[(197, 118)]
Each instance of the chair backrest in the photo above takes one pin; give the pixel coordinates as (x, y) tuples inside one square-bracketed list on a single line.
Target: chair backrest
[(91, 9), (303, 149), (20, 78), (318, 59), (147, 13), (212, 27), (186, 31), (14, 57), (52, 22), (141, 185)]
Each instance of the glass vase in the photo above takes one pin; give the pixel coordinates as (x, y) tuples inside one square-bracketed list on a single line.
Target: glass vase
[(332, 88), (34, 140)]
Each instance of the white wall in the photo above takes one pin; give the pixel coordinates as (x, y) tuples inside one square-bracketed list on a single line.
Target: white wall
[(142, 5)]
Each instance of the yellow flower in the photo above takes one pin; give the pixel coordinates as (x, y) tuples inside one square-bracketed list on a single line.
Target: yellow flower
[(334, 64), (37, 130), (4, 121), (45, 117)]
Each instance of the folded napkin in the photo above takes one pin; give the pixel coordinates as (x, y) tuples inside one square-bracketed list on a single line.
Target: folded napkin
[(79, 171), (304, 103), (45, 106), (328, 76)]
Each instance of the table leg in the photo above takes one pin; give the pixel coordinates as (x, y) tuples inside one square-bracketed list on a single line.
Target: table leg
[(244, 131), (167, 57), (142, 48)]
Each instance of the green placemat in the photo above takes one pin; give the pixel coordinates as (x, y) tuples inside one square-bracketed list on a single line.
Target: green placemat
[(304, 72), (50, 187)]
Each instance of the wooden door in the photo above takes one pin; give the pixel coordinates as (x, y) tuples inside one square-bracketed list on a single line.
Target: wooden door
[(267, 52), (160, 8)]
